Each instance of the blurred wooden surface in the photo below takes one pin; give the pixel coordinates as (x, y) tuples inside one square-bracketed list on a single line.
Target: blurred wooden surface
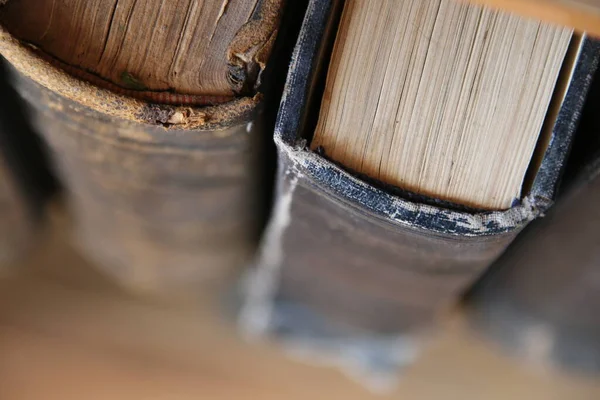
[(66, 333), (583, 15)]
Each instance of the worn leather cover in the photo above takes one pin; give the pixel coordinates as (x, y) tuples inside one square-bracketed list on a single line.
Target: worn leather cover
[(346, 259), (158, 207), (542, 298)]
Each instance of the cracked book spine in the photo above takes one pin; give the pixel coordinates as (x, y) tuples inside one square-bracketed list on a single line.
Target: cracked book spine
[(161, 162)]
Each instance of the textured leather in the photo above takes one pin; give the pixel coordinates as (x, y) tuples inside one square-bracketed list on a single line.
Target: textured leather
[(368, 271), (156, 208)]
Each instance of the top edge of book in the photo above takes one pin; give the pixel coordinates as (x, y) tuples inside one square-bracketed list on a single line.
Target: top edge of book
[(298, 109), (581, 15)]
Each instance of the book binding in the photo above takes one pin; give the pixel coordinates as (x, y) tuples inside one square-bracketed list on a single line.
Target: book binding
[(164, 198), (348, 266)]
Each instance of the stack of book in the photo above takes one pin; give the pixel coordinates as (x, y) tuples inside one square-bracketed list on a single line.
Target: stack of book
[(415, 141)]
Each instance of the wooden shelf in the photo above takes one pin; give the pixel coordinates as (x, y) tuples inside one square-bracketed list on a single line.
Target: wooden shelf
[(67, 333)]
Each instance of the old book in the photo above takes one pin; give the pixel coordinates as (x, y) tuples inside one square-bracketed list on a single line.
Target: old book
[(539, 301), (26, 184), (414, 145), (153, 114)]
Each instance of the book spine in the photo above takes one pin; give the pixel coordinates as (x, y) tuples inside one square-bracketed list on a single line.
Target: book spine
[(163, 197), (383, 271), (335, 277), (541, 299)]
